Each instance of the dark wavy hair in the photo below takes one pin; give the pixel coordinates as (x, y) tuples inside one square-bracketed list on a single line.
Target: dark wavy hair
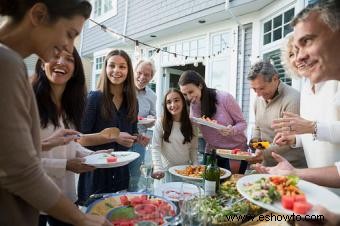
[(167, 121), (16, 9), (73, 99), (208, 95), (129, 90)]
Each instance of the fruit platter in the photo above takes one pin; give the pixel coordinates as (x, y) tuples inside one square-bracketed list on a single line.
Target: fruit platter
[(131, 208)]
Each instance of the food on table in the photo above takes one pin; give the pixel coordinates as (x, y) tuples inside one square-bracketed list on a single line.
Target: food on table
[(209, 119), (111, 159), (258, 144), (228, 203), (279, 188), (235, 151), (194, 171), (140, 117), (121, 210)]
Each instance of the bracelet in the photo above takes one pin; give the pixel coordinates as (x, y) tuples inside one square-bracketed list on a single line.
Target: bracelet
[(315, 131)]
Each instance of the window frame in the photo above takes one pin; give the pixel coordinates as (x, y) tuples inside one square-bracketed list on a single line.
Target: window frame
[(273, 29), (103, 16)]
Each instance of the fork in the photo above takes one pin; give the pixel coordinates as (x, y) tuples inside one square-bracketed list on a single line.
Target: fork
[(231, 202)]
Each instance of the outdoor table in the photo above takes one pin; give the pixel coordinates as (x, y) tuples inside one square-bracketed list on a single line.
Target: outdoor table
[(256, 221)]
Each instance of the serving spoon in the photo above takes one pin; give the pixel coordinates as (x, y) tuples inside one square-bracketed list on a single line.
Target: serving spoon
[(109, 133)]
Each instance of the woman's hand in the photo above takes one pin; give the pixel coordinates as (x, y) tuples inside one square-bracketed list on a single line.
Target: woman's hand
[(292, 124), (125, 139), (77, 165), (143, 140), (227, 131), (59, 137), (284, 139)]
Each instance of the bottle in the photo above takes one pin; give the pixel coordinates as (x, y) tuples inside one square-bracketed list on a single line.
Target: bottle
[(211, 176)]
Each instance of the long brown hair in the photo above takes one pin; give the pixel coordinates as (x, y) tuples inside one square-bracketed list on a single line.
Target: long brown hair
[(129, 92), (208, 95), (73, 98), (167, 121)]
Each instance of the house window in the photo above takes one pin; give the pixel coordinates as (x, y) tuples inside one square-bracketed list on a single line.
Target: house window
[(219, 43), (192, 48), (99, 63), (277, 27), (274, 57), (103, 10)]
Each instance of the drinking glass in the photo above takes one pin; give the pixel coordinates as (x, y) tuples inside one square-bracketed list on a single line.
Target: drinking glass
[(146, 171), (191, 212)]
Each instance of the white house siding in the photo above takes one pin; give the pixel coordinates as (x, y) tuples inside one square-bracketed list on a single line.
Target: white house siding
[(243, 66), (176, 21)]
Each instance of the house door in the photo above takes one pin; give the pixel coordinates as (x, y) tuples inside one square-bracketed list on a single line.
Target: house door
[(171, 78)]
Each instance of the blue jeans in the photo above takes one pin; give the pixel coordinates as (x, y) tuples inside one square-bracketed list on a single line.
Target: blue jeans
[(134, 167)]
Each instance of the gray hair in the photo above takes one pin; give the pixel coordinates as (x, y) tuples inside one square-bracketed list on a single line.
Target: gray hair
[(286, 50), (264, 68), (149, 62), (328, 10)]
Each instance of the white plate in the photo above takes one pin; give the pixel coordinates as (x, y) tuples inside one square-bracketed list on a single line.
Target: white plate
[(99, 160), (206, 123), (173, 169), (146, 121), (225, 154), (172, 190), (315, 194)]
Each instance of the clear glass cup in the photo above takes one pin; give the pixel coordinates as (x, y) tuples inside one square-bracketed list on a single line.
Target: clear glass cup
[(191, 212), (146, 171)]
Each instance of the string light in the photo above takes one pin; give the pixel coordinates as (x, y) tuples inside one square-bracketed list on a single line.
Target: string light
[(180, 58)]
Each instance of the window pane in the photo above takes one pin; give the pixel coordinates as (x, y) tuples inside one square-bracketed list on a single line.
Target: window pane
[(274, 56), (172, 49), (287, 29), (267, 38), (267, 26), (201, 47), (277, 21), (179, 48), (165, 56), (97, 7), (186, 48), (150, 53), (224, 40), (216, 43), (288, 16), (220, 74), (96, 79), (107, 5), (277, 34), (193, 48)]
